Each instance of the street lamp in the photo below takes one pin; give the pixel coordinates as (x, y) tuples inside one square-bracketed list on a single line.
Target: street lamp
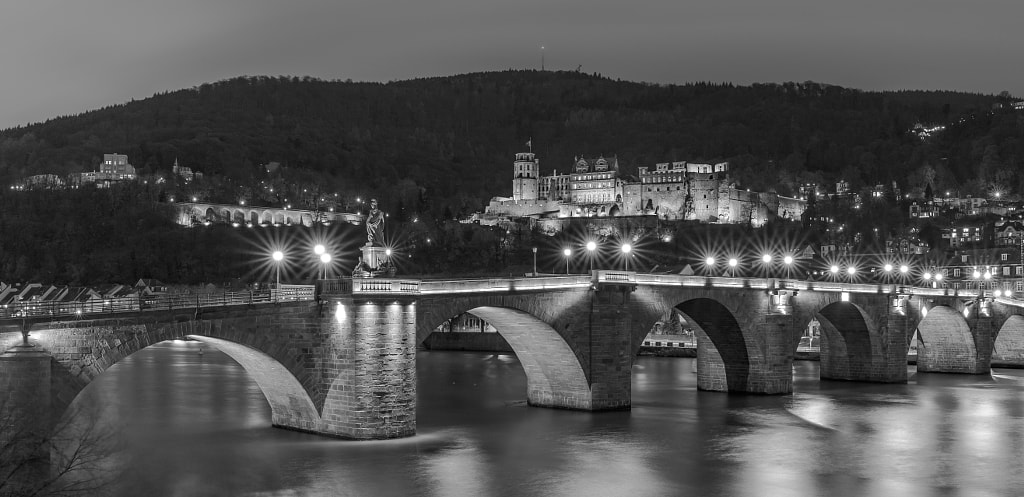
[(319, 249), (278, 256), (567, 253), (626, 249), (326, 259), (591, 247), (535, 261)]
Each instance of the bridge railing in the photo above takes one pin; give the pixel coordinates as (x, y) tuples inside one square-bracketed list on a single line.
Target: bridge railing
[(156, 302)]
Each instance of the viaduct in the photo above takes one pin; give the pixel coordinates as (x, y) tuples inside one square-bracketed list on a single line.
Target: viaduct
[(191, 213), (343, 363)]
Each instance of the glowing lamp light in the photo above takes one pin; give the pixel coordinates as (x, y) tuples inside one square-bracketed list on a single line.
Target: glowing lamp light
[(834, 269), (733, 262), (988, 275), (851, 270), (626, 248), (766, 258), (967, 312), (927, 275), (325, 258), (904, 269), (788, 259), (887, 268), (387, 252), (998, 293), (710, 261), (339, 313), (591, 246), (1008, 293), (667, 239), (319, 249), (844, 296), (938, 276)]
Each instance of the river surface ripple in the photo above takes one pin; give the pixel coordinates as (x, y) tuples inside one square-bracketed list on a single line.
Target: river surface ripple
[(195, 425)]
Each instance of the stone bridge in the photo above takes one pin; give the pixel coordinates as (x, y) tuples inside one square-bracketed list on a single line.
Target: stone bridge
[(192, 213), (344, 365)]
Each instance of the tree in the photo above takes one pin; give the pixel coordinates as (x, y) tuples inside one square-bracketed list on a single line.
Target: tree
[(67, 460)]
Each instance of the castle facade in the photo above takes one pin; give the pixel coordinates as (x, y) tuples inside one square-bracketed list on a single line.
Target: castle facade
[(669, 190)]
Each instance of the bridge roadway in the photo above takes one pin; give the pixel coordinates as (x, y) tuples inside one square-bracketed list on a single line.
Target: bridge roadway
[(342, 363)]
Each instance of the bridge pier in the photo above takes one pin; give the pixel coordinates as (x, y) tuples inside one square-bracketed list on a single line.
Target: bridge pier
[(25, 414), (369, 368), (610, 347)]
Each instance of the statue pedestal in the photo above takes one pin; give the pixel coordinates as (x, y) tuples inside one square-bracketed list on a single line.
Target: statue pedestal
[(374, 263)]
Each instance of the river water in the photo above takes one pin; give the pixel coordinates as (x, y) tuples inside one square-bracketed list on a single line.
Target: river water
[(194, 425)]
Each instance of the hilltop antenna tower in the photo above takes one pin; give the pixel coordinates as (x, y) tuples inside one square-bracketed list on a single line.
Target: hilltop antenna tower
[(542, 57)]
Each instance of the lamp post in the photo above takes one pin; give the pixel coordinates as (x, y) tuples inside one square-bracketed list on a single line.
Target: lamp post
[(567, 253), (535, 261), (319, 250), (591, 247), (326, 259), (626, 249), (278, 256)]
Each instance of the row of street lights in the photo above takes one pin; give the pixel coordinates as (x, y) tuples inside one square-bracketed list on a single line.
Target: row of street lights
[(733, 263), (319, 250)]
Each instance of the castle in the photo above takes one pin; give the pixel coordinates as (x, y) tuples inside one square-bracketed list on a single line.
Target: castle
[(670, 191)]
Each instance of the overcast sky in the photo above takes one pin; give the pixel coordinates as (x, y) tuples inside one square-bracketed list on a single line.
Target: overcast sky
[(61, 57)]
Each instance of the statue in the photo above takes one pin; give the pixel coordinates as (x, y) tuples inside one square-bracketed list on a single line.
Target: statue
[(374, 224)]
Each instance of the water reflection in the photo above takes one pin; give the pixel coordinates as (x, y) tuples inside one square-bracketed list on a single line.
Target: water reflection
[(197, 425)]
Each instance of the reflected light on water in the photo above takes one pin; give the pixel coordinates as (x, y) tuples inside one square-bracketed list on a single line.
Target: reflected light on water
[(199, 425)]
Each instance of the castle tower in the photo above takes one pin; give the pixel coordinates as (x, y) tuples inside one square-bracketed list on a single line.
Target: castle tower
[(526, 171)]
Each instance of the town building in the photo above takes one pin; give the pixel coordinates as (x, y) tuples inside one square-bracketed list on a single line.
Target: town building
[(114, 168)]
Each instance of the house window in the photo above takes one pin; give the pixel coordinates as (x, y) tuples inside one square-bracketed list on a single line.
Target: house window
[(963, 258), (1006, 269), (1004, 256), (956, 273)]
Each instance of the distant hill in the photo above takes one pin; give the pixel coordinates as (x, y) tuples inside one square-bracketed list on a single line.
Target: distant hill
[(454, 137)]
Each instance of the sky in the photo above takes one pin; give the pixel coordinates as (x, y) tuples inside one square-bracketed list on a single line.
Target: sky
[(64, 57)]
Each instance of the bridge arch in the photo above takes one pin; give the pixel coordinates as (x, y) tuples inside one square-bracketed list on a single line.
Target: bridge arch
[(280, 375), (266, 217), (540, 334), (1009, 343), (946, 343), (254, 218), (723, 359), (848, 342)]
